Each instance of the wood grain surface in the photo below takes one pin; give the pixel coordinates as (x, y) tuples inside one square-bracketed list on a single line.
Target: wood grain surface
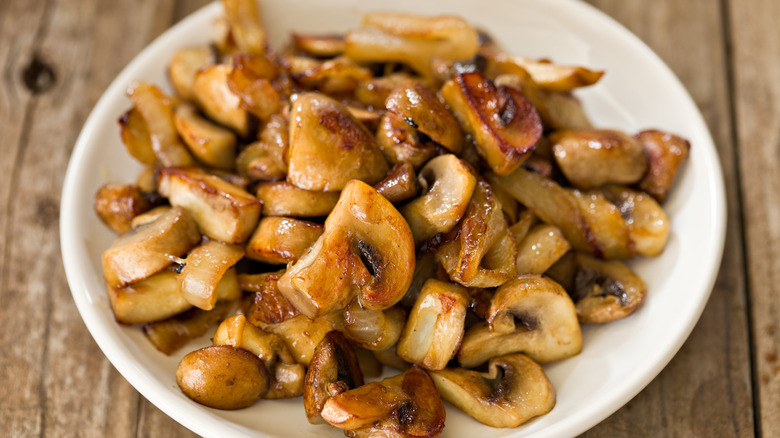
[(58, 56)]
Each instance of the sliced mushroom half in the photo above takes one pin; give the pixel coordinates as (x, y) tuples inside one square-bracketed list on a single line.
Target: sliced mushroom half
[(648, 224), (222, 210), (447, 185), (504, 123), (399, 185), (213, 145), (148, 249), (405, 405), (204, 268), (213, 95), (532, 315), (373, 329), (366, 250), (281, 240), (435, 326), (286, 376), (540, 248), (401, 143), (183, 66), (284, 199), (412, 40), (420, 107), (480, 251), (329, 147), (333, 369), (117, 204), (606, 290), (514, 390)]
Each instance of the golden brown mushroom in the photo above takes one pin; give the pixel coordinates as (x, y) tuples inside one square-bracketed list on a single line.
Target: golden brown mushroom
[(267, 305), (514, 390), (284, 199), (329, 147), (594, 157), (504, 123), (399, 185), (321, 46), (204, 268), (664, 153), (250, 80), (405, 405), (222, 377), (373, 329), (244, 19), (281, 240), (419, 107), (215, 98), (447, 184), (183, 66), (401, 143), (213, 145), (333, 369), (540, 248), (531, 315), (648, 224), (435, 326), (286, 377), (117, 204), (148, 249), (366, 250), (222, 210), (605, 291), (169, 335), (302, 334)]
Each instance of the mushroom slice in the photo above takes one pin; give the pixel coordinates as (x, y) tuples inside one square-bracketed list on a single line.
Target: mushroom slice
[(117, 204), (648, 225), (157, 111), (205, 266), (333, 369), (435, 326), (334, 76), (541, 248), (250, 80), (222, 377), (286, 376), (366, 250), (480, 252), (557, 110), (399, 185), (578, 215), (547, 75), (148, 249), (136, 137), (246, 28), (281, 240), (420, 107), (284, 199), (267, 305), (329, 147), (447, 184), (606, 290), (531, 315), (213, 95), (183, 66), (214, 145), (401, 143), (405, 405), (266, 160), (321, 46), (302, 334), (159, 297), (171, 334), (664, 153), (411, 39), (373, 329), (594, 157), (222, 210), (514, 390), (502, 120)]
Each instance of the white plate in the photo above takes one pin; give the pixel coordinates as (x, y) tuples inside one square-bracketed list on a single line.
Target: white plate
[(617, 360)]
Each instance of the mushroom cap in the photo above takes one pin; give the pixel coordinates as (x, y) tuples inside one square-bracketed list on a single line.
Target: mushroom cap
[(366, 250), (514, 390)]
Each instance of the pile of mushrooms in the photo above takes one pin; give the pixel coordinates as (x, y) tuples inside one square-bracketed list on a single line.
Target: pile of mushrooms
[(404, 196)]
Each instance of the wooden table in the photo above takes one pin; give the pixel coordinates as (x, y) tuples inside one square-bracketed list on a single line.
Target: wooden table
[(57, 57)]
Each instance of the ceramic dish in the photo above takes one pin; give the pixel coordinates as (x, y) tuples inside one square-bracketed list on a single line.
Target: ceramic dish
[(618, 359)]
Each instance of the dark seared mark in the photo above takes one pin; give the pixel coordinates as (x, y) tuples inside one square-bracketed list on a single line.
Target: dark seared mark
[(406, 413), (342, 374), (508, 108), (341, 124), (529, 322), (370, 257), (591, 283), (39, 77), (502, 385)]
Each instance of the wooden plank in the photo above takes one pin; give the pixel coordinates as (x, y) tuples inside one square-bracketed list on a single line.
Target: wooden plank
[(756, 66), (55, 66), (705, 390)]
